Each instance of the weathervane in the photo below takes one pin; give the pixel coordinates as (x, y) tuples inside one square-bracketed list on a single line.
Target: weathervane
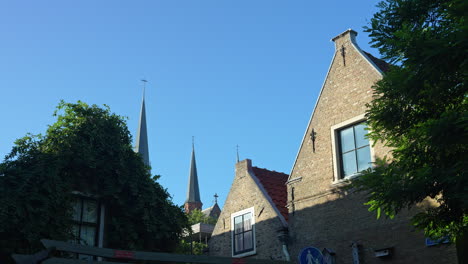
[(237, 149)]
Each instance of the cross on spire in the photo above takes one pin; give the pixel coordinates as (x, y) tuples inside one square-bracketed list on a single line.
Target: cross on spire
[(144, 81), (216, 198)]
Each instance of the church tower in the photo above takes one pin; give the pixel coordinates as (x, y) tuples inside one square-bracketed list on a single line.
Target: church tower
[(193, 192), (141, 144)]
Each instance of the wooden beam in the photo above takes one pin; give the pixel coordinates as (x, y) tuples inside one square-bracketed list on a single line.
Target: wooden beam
[(158, 256), (34, 258), (75, 261)]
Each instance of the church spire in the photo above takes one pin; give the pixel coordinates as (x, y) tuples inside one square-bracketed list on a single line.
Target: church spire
[(141, 145), (193, 192)]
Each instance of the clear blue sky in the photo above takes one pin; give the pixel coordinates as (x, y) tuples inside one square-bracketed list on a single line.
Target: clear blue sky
[(227, 72)]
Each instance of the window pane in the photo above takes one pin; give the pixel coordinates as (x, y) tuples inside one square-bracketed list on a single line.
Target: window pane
[(77, 210), (349, 163), (237, 224), (347, 140), (248, 240), (89, 211), (360, 134), (363, 158), (239, 243), (88, 233), (247, 221)]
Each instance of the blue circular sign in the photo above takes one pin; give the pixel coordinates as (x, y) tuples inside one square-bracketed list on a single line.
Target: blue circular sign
[(310, 255)]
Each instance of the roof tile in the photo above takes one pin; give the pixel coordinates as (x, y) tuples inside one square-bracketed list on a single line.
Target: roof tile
[(275, 185), (383, 66)]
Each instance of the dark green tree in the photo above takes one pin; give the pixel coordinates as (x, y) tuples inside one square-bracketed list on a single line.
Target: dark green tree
[(88, 150), (420, 111)]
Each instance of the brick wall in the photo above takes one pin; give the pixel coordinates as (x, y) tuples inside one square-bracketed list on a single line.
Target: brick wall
[(244, 194), (323, 216)]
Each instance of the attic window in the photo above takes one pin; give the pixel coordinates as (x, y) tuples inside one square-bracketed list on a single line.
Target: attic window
[(352, 150), (243, 233)]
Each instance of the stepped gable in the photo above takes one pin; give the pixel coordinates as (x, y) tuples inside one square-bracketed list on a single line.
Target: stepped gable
[(383, 66), (275, 185)]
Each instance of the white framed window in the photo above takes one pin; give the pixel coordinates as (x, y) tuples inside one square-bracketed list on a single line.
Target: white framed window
[(85, 221), (352, 150), (87, 224), (243, 233)]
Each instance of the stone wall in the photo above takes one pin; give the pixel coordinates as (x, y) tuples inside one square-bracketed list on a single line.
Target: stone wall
[(244, 194), (321, 215)]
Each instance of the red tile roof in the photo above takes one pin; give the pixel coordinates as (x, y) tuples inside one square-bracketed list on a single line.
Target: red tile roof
[(275, 185), (383, 66)]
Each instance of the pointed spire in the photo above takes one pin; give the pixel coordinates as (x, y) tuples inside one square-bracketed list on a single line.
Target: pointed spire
[(193, 192), (141, 144)]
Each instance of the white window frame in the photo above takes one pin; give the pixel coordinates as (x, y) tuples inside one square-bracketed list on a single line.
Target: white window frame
[(334, 130), (100, 224), (248, 253)]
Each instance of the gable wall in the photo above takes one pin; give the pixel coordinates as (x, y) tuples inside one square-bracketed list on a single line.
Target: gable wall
[(244, 194), (320, 215)]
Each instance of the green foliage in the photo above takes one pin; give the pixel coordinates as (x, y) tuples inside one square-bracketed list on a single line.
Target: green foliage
[(187, 246), (196, 216), (191, 247), (88, 150), (420, 111)]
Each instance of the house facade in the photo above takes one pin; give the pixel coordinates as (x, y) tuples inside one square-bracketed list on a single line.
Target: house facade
[(318, 213), (253, 222), (334, 148)]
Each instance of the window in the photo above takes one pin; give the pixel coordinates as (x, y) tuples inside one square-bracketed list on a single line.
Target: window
[(243, 233), (352, 150), (85, 217)]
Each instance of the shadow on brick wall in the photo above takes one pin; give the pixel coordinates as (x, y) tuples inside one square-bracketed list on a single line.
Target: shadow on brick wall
[(337, 223)]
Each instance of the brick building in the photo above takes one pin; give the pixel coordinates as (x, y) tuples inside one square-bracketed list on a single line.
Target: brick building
[(334, 148), (253, 221), (320, 213)]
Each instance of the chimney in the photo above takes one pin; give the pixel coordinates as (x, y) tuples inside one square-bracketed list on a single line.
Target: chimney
[(344, 39), (244, 165)]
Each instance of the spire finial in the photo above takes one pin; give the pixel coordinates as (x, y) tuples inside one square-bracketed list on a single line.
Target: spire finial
[(216, 198), (237, 149), (144, 81), (193, 142)]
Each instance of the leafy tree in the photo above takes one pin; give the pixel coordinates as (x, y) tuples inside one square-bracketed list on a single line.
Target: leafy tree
[(420, 112), (196, 216), (188, 246), (89, 150)]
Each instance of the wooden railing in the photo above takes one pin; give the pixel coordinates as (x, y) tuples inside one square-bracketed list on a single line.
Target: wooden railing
[(115, 255)]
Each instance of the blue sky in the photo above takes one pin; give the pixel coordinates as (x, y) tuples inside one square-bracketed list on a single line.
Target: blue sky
[(228, 72)]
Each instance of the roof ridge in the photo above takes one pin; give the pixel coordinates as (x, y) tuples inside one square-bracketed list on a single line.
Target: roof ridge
[(269, 170)]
